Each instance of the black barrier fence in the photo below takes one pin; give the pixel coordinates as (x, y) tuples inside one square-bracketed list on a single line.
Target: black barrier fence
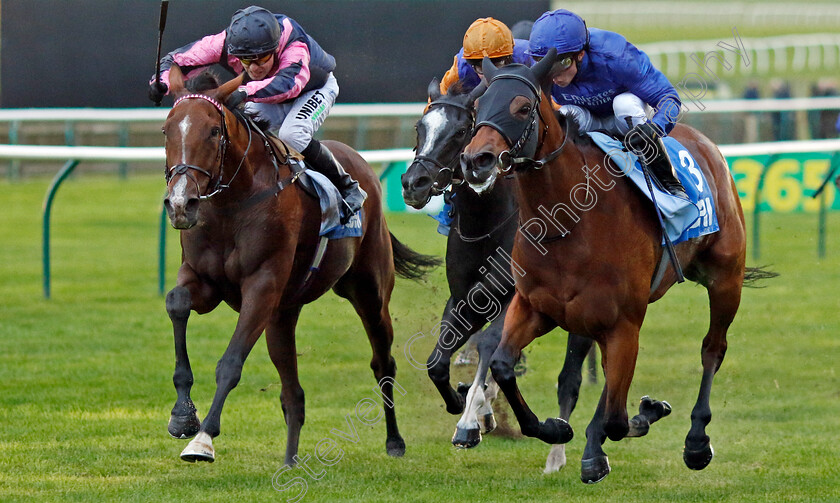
[(100, 53)]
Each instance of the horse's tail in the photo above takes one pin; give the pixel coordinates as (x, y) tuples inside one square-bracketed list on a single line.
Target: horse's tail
[(409, 264), (752, 275)]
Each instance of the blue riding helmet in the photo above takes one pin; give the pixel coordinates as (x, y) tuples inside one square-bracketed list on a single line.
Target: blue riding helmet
[(252, 31), (561, 29)]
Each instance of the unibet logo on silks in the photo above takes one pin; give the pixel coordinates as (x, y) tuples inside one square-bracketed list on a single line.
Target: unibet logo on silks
[(313, 107)]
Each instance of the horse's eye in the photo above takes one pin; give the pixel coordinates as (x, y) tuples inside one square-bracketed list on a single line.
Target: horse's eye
[(215, 130), (525, 109), (461, 132), (162, 130)]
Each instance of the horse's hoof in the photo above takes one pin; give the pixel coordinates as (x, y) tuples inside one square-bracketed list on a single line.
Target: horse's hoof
[(395, 447), (184, 426), (699, 459), (199, 449), (457, 407), (487, 422), (594, 470), (654, 410), (555, 431), (556, 459), (466, 438)]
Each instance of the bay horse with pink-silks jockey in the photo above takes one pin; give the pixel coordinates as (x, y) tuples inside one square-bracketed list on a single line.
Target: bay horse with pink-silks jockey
[(250, 236), (597, 278)]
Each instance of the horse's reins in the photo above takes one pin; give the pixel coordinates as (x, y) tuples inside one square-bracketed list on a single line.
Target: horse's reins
[(184, 169), (486, 235)]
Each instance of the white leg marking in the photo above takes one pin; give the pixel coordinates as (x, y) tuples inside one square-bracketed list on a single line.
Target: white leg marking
[(475, 400), (556, 458), (199, 449)]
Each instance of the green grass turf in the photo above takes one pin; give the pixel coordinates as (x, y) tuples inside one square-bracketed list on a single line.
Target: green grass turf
[(86, 389)]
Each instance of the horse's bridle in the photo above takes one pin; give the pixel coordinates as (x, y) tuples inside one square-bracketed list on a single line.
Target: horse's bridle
[(185, 169), (439, 185), (508, 159)]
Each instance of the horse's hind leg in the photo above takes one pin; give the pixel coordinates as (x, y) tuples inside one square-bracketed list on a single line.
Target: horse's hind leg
[(369, 296), (568, 389), (523, 325), (280, 339), (724, 299), (478, 412)]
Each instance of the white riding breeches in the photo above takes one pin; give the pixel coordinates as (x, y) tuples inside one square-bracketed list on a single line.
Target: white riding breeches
[(296, 121), (629, 110)]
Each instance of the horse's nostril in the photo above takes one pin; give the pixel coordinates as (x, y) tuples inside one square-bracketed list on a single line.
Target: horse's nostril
[(422, 183), (192, 205), (167, 204), (485, 160)]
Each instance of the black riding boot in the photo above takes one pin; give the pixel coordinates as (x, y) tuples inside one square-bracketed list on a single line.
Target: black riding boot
[(321, 159), (660, 166)]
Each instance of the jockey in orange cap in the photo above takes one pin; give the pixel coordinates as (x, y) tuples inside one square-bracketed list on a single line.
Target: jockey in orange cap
[(486, 37)]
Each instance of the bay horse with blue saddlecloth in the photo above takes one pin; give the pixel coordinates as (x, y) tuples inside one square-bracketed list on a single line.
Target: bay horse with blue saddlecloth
[(479, 270), (250, 238), (597, 277)]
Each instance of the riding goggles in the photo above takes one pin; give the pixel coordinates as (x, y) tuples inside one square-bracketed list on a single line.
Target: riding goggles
[(561, 65), (476, 64), (258, 59)]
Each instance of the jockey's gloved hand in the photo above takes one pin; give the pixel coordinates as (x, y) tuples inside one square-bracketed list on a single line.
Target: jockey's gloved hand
[(642, 138), (157, 90), (236, 98), (583, 118)]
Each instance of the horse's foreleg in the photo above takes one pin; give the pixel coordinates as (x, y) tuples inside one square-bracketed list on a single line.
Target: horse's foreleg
[(619, 350), (458, 323), (183, 422), (478, 411), (523, 325), (724, 298), (280, 340), (568, 389), (189, 294), (257, 304)]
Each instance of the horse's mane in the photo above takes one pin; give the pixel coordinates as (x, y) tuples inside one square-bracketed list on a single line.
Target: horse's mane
[(456, 89), (205, 81), (570, 127), (208, 80)]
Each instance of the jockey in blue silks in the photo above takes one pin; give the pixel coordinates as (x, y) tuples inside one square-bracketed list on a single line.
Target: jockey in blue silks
[(604, 82)]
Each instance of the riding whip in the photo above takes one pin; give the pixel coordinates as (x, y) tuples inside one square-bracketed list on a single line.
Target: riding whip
[(164, 6)]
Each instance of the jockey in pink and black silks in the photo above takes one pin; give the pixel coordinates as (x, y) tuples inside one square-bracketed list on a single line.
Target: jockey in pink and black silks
[(289, 84), (604, 82)]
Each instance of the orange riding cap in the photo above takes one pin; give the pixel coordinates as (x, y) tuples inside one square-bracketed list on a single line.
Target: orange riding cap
[(488, 37)]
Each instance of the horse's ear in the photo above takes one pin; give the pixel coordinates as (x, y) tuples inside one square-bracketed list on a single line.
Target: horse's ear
[(228, 87), (541, 69), (488, 68), (477, 92), (434, 89), (176, 80)]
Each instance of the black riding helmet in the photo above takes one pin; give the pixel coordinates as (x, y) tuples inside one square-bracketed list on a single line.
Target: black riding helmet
[(252, 31)]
